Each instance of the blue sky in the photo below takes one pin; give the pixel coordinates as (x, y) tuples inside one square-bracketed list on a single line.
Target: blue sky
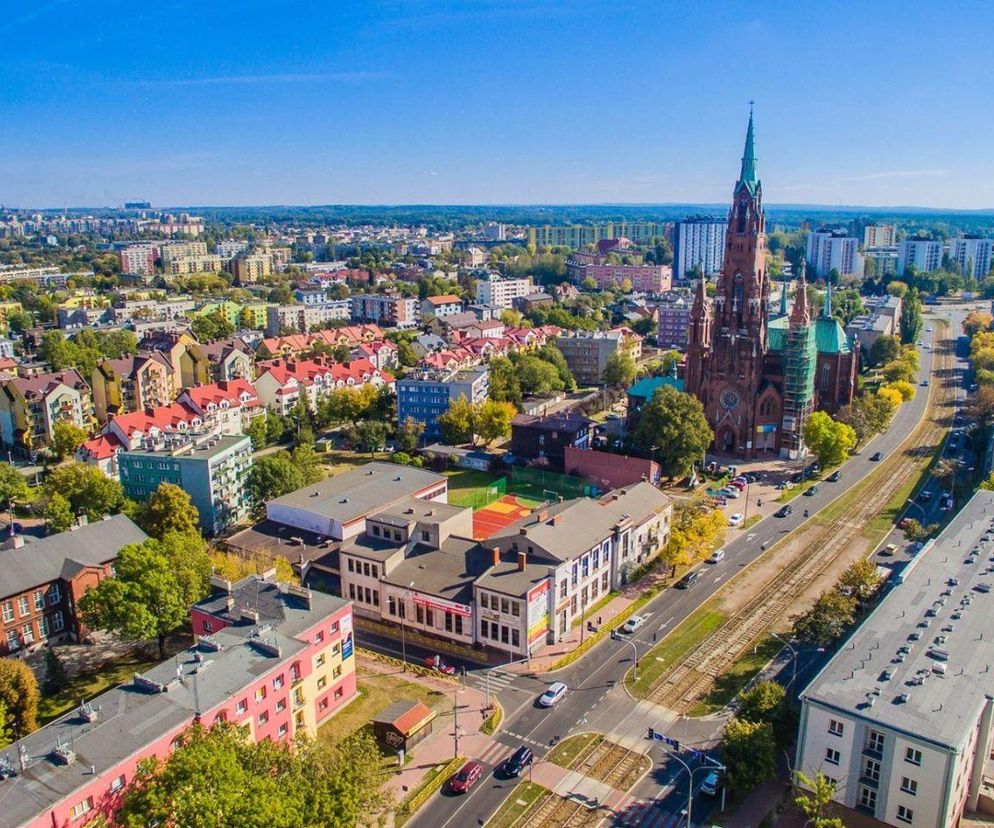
[(493, 101)]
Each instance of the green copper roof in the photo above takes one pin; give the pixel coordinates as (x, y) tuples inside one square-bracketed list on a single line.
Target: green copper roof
[(776, 330), (831, 337), (647, 386), (748, 174)]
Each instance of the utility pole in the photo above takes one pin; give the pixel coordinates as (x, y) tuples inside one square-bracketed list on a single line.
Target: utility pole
[(455, 721)]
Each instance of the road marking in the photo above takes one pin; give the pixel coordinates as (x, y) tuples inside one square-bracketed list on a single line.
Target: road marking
[(719, 578), (750, 536)]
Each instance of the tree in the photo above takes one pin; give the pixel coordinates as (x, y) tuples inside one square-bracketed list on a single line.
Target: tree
[(272, 476), (696, 530), (762, 702), (538, 377), (884, 349), (504, 385), (369, 435), (977, 321), (5, 731), (980, 406), (457, 422), (408, 436), (247, 783), (819, 796), (13, 486), (492, 420), (56, 677), (860, 581), (66, 438), (150, 593), (898, 289), (830, 439), (212, 326), (945, 472), (911, 318), (234, 567), (904, 388), (620, 370), (170, 509), (868, 414), (58, 514), (86, 489), (19, 696), (306, 460), (749, 752), (891, 396), (825, 622), (258, 432), (673, 430)]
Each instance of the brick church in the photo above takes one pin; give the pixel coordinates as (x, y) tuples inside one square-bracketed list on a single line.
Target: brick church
[(759, 375)]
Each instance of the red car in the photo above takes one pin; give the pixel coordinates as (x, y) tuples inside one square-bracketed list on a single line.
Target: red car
[(435, 663), (464, 779)]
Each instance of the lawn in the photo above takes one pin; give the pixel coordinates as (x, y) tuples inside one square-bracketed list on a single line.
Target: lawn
[(522, 799), (735, 678), (377, 691), (569, 752), (85, 687), (694, 629), (465, 484)]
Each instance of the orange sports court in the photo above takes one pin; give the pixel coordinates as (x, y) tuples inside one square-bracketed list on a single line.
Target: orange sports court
[(498, 515)]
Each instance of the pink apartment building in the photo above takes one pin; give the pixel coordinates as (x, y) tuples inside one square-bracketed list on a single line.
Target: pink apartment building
[(275, 659)]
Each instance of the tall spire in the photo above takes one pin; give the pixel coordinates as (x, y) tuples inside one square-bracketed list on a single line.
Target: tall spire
[(799, 313), (783, 295), (748, 174), (826, 311)]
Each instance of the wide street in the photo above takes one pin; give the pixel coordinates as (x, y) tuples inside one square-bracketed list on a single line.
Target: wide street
[(598, 701)]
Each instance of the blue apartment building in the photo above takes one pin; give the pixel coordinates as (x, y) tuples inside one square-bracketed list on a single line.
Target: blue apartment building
[(425, 395)]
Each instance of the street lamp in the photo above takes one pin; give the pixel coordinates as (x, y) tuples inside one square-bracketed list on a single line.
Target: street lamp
[(403, 626), (920, 508), (616, 636), (793, 657), (690, 779)]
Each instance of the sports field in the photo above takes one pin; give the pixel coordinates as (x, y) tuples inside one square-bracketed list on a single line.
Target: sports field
[(497, 515)]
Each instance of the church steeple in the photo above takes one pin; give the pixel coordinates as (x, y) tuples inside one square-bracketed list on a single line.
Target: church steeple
[(747, 175), (799, 314), (783, 295), (826, 311)]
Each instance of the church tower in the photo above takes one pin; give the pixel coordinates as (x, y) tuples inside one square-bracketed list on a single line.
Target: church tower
[(727, 376)]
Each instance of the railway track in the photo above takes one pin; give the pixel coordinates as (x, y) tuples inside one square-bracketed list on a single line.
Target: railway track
[(557, 812), (691, 677)]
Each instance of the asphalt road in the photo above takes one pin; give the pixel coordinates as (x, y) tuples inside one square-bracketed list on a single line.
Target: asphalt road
[(597, 699)]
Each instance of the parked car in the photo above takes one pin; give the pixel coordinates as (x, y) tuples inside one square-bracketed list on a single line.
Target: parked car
[(738, 484), (783, 511), (717, 556), (711, 784), (925, 495), (736, 519), (924, 383), (811, 491), (834, 477), (688, 580), (435, 663), (732, 493), (555, 692), (633, 623), (464, 779), (876, 456), (946, 503), (888, 550), (783, 485), (518, 761)]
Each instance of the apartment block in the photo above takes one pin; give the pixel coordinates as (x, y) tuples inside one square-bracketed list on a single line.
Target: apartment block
[(274, 659), (973, 254), (131, 383), (212, 470), (925, 255), (673, 312), (832, 250), (425, 395), (139, 259), (880, 235), (252, 268), (501, 292), (578, 236), (587, 352), (902, 717), (644, 278), (699, 242), (391, 311), (30, 407), (301, 318), (447, 305)]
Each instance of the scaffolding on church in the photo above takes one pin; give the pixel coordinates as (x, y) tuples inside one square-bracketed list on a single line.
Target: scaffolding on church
[(800, 356)]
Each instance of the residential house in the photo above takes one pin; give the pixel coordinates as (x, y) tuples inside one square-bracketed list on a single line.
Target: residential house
[(541, 437), (31, 406)]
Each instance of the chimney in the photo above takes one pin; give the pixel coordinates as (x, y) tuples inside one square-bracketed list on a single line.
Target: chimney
[(496, 555), (556, 519), (522, 560), (542, 515)]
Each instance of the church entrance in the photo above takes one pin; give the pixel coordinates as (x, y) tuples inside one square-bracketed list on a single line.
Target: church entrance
[(726, 440)]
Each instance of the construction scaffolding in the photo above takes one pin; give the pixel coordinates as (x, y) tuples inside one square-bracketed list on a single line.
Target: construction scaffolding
[(800, 355)]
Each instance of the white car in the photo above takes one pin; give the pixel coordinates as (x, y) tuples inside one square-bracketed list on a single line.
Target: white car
[(633, 623), (731, 492), (555, 692), (717, 556), (736, 519)]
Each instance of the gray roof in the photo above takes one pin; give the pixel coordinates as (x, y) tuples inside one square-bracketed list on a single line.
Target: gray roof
[(412, 509), (508, 578), (354, 494), (65, 554), (204, 450), (924, 602), (447, 573)]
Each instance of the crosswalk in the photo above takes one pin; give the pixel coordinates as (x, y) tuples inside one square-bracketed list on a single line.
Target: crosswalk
[(645, 813), (499, 680), (495, 753)]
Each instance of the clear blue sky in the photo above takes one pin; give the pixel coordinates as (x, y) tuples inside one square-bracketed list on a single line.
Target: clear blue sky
[(493, 101)]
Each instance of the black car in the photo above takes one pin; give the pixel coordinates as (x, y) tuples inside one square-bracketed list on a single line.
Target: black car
[(834, 477), (518, 761), (876, 456), (783, 511), (811, 491), (688, 580)]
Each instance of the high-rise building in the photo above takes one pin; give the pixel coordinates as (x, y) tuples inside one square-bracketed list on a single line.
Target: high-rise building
[(501, 292), (973, 255), (698, 241), (578, 236), (139, 259), (424, 396), (879, 235), (925, 255), (830, 250)]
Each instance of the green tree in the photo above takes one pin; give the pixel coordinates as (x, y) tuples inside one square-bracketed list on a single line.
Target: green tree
[(265, 783), (258, 432), (762, 702), (492, 420), (824, 623), (884, 349), (56, 677), (58, 514), (673, 430), (170, 509), (979, 406), (19, 696), (457, 422), (13, 486), (150, 593), (819, 796), (860, 581), (911, 318), (306, 460), (749, 752), (212, 326), (503, 381), (829, 439), (551, 354), (620, 370), (409, 433), (272, 476), (87, 489), (538, 377), (898, 289), (868, 414), (66, 438), (368, 435), (897, 370), (5, 731)]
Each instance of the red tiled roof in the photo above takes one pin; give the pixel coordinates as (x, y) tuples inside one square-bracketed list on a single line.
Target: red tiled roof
[(102, 447), (230, 390), (447, 299), (164, 418)]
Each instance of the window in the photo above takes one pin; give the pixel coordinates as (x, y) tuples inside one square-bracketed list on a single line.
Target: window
[(376, 531), (117, 783), (504, 605), (376, 599), (277, 682), (867, 798), (875, 741), (339, 692), (562, 589), (323, 704), (57, 623), (365, 568), (503, 635), (81, 808), (448, 622), (484, 600), (351, 565), (515, 638), (283, 730), (375, 570), (319, 637), (43, 627), (913, 756), (260, 693), (604, 582), (281, 705), (832, 756), (8, 611), (458, 625), (396, 535), (322, 682), (39, 599), (263, 718), (22, 605), (333, 628), (909, 785), (28, 633), (319, 660), (426, 536), (208, 627), (337, 672), (905, 814), (836, 728), (391, 605), (241, 707), (352, 591), (871, 770), (515, 609)]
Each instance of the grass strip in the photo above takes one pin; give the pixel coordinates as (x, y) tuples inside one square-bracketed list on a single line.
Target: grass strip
[(492, 722), (734, 680), (684, 637), (570, 752), (521, 801), (430, 784)]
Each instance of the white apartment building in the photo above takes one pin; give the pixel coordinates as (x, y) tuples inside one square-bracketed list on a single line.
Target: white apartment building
[(828, 251), (973, 254), (698, 242), (501, 292), (901, 718), (925, 255), (879, 235), (139, 259)]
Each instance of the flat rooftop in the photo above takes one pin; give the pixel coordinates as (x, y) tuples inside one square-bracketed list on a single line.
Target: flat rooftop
[(939, 614), (204, 449), (412, 510)]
